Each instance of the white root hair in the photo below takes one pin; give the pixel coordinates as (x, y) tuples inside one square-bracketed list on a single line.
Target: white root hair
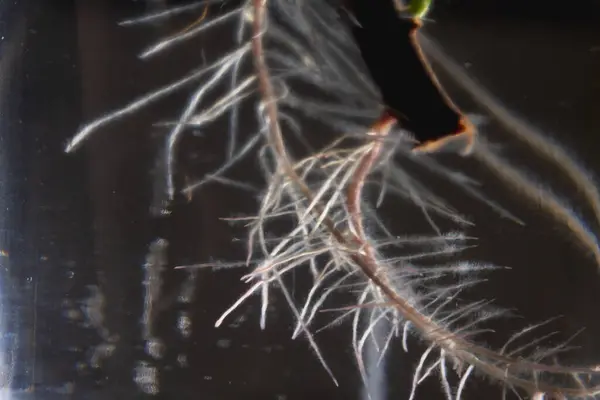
[(295, 62)]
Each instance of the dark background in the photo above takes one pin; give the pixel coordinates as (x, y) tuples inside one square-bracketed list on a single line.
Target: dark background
[(71, 221)]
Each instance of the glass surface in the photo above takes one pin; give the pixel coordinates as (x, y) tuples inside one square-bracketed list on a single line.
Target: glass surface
[(94, 302)]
